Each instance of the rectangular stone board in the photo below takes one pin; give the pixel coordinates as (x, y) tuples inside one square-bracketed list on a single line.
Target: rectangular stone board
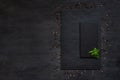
[(80, 32)]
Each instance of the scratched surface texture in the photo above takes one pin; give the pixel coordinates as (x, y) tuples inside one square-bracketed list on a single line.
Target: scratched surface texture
[(28, 48)]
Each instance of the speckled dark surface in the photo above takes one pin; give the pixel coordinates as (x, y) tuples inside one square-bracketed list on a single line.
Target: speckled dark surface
[(27, 49)]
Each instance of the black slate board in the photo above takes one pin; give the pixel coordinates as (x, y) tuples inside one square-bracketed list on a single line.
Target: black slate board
[(71, 57), (88, 39)]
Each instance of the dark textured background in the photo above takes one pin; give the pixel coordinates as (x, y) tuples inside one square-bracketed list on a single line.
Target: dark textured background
[(26, 51)]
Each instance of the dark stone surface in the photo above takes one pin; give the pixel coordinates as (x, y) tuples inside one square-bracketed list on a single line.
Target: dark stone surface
[(26, 40)]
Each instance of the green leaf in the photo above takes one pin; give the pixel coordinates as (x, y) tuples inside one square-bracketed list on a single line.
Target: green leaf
[(94, 53)]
